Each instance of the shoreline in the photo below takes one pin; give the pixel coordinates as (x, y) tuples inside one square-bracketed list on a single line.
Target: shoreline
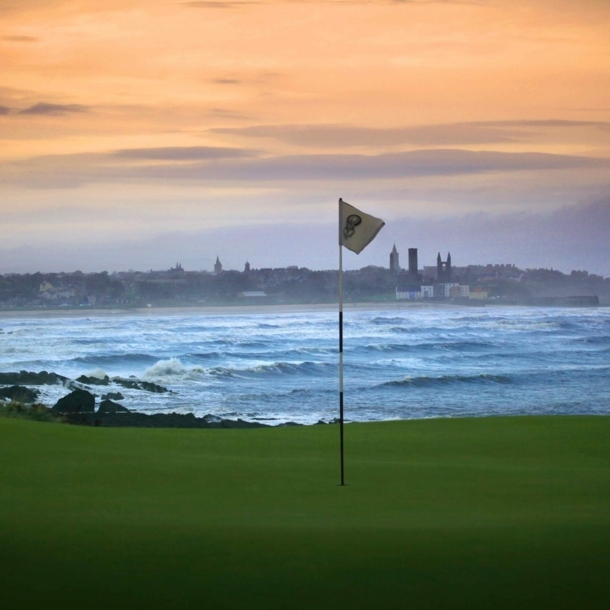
[(220, 310)]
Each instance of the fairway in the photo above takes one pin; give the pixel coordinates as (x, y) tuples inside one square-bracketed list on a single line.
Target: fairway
[(448, 513)]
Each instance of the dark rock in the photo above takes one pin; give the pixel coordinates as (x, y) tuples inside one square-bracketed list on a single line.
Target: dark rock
[(126, 383), (288, 424), (134, 384), (93, 380), (113, 396), (107, 406), (128, 418), (153, 387), (19, 393), (30, 378), (78, 401)]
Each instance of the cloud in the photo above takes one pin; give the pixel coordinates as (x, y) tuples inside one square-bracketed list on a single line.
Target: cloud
[(226, 81), (233, 166), (4, 110), (44, 108), (20, 38), (450, 134), (218, 4), (183, 153), (440, 162)]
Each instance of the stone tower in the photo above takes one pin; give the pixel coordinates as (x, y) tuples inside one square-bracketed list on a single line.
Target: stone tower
[(413, 272), (394, 264), (217, 266)]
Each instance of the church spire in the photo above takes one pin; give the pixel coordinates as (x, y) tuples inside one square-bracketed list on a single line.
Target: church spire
[(394, 264)]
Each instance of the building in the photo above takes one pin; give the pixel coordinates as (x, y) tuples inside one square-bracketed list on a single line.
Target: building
[(247, 267), (443, 269), (217, 266), (413, 268), (427, 292), (459, 292), (478, 294), (394, 264), (409, 295)]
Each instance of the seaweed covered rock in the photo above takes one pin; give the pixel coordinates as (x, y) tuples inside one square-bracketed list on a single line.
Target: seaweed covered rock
[(78, 401)]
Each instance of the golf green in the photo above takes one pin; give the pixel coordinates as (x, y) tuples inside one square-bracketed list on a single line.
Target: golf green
[(450, 513)]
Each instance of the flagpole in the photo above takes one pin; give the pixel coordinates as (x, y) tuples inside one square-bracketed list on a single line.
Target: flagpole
[(341, 349), (356, 231)]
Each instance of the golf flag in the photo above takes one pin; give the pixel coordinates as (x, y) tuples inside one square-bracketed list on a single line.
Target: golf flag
[(356, 229)]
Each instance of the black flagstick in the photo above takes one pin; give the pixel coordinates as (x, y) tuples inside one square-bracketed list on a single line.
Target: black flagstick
[(341, 347)]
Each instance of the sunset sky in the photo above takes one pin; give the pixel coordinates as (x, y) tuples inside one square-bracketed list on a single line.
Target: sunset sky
[(139, 133)]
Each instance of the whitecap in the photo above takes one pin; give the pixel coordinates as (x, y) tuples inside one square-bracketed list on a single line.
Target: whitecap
[(97, 373), (169, 368)]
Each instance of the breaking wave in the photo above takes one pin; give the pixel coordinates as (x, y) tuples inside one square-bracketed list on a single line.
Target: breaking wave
[(275, 368), (444, 380), (170, 368)]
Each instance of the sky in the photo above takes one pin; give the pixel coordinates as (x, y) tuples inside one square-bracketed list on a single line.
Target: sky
[(140, 133)]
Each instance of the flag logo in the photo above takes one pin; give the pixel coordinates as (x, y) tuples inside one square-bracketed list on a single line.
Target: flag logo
[(356, 229), (353, 220)]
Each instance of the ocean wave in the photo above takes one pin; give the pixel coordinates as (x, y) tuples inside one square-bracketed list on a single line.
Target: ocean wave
[(444, 380), (393, 320), (594, 340), (236, 342), (170, 368), (97, 373), (274, 368), (203, 355), (114, 359), (457, 346)]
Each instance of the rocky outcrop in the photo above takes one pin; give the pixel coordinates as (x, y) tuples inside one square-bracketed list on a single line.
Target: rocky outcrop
[(106, 416), (134, 384), (19, 393), (88, 380), (107, 407), (31, 378), (152, 387), (77, 402), (113, 396)]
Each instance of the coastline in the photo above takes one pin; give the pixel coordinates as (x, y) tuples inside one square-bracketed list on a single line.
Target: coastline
[(217, 310)]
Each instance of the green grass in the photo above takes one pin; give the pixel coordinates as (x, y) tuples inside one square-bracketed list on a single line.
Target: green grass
[(18, 409), (466, 513)]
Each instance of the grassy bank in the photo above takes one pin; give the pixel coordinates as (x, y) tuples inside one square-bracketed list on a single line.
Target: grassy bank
[(466, 513)]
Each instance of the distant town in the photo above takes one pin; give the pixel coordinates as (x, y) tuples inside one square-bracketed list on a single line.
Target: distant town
[(176, 286)]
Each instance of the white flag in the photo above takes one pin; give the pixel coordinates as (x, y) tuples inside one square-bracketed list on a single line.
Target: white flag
[(356, 229)]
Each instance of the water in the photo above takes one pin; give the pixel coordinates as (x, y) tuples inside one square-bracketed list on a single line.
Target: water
[(409, 363)]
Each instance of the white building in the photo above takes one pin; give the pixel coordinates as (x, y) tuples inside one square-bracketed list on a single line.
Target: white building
[(409, 295)]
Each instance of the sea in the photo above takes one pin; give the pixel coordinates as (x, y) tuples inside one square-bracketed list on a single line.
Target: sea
[(417, 362)]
